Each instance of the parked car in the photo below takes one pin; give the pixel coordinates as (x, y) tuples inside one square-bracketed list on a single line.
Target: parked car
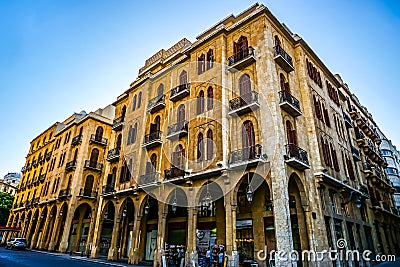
[(16, 243)]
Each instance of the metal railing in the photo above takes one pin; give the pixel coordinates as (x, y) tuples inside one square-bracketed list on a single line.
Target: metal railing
[(87, 193), (107, 189), (98, 139), (293, 151), (113, 153), (118, 122), (148, 178), (174, 172), (76, 140), (151, 137), (160, 99), (64, 193), (285, 96), (278, 51), (243, 100), (70, 165), (242, 54), (347, 118), (356, 152), (48, 156), (179, 89), (246, 154), (42, 177), (93, 165), (177, 127)]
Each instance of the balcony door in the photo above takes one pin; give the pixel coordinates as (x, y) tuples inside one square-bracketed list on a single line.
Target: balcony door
[(283, 83), (87, 191), (245, 89), (178, 158), (291, 133), (183, 78), (99, 133), (241, 48), (181, 116), (248, 140), (94, 156)]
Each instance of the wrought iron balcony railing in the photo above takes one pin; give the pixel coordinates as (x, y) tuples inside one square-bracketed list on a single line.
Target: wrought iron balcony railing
[(156, 104), (242, 55), (246, 154), (48, 156), (70, 165), (113, 154), (107, 189), (178, 129), (76, 140), (98, 140), (297, 157), (174, 172), (283, 59), (244, 103), (180, 92), (87, 193), (347, 120), (148, 178), (152, 139), (118, 123), (356, 153), (93, 165), (64, 193), (289, 103)]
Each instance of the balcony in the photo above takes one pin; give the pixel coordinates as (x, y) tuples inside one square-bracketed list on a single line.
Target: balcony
[(367, 169), (360, 137), (87, 194), (364, 191), (179, 92), (64, 193), (244, 104), (70, 166), (34, 163), (76, 140), (35, 201), (42, 177), (118, 123), (289, 103), (173, 172), (177, 130), (356, 153), (94, 166), (353, 112), (296, 157), (241, 59), (152, 140), (373, 152), (247, 157), (107, 189), (98, 140), (283, 59), (40, 160), (347, 120), (113, 154), (48, 156), (148, 178), (156, 104), (28, 203)]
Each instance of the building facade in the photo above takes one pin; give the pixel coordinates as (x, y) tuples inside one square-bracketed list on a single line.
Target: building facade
[(9, 183), (392, 157), (240, 141)]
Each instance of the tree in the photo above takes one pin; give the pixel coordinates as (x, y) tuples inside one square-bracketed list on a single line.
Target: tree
[(6, 201)]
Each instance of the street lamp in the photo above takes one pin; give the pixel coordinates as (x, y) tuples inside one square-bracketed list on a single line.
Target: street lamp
[(174, 203), (147, 206), (249, 190), (207, 197)]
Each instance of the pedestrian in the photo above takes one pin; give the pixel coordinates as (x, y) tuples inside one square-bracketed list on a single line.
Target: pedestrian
[(221, 258), (208, 258)]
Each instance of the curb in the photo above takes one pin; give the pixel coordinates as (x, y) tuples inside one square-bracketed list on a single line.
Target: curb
[(97, 261)]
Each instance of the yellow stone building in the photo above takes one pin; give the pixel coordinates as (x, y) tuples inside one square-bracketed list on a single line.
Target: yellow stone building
[(241, 140)]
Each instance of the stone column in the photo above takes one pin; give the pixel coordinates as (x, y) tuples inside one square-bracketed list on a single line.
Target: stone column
[(162, 215), (97, 228), (43, 238), (135, 248), (90, 235), (113, 251), (36, 233), (67, 228), (54, 233)]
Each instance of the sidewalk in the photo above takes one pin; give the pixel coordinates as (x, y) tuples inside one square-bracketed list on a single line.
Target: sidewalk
[(84, 258)]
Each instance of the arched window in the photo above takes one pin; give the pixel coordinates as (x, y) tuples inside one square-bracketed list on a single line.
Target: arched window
[(200, 147), (201, 64), (139, 100), (99, 133), (277, 41), (291, 133), (248, 140), (283, 83), (130, 132), (241, 49), (134, 133), (134, 103), (178, 157), (123, 113), (81, 131), (87, 191), (153, 161), (181, 113), (200, 102), (210, 145), (69, 182), (210, 59), (157, 122), (160, 90), (210, 98), (244, 86), (119, 141), (183, 78), (94, 156)]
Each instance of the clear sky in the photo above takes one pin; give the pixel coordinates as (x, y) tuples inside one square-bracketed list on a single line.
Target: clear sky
[(62, 56)]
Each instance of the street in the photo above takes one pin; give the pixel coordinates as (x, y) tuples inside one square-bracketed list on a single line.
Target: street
[(26, 258)]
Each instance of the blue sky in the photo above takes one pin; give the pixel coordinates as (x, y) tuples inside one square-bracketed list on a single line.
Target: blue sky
[(59, 57)]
